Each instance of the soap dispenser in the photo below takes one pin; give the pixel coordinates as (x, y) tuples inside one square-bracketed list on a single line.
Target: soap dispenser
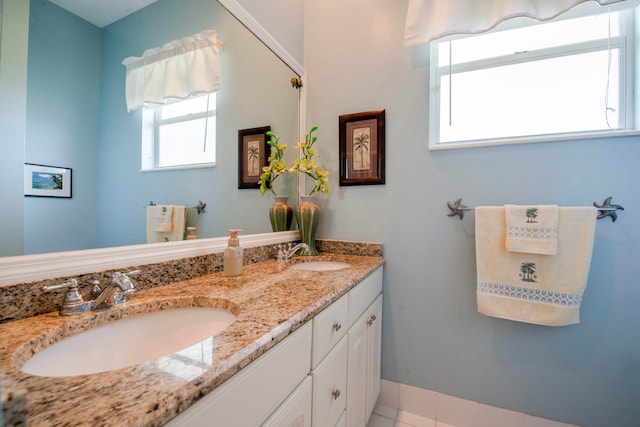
[(233, 255)]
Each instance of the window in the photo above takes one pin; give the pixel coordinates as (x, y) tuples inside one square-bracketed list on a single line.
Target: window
[(179, 135), (563, 79)]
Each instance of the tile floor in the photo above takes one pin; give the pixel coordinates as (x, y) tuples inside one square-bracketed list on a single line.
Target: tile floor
[(389, 417)]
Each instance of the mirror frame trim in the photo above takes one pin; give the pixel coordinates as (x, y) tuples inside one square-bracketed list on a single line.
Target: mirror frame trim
[(26, 268), (259, 31)]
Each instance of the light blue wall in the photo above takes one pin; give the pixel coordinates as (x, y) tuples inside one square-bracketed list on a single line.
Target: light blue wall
[(433, 337), (255, 92), (13, 99), (63, 98)]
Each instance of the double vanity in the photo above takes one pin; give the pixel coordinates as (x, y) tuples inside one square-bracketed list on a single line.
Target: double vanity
[(287, 345)]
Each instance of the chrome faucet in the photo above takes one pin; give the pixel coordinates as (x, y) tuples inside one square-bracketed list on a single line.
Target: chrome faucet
[(285, 254), (118, 291)]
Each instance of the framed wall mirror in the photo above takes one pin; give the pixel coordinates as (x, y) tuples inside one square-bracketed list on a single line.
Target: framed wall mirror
[(76, 117)]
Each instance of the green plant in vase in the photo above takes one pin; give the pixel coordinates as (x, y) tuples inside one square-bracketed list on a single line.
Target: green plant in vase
[(308, 212), (280, 213), (308, 166)]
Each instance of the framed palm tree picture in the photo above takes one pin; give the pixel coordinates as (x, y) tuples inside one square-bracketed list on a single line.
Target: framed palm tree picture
[(362, 148), (253, 155)]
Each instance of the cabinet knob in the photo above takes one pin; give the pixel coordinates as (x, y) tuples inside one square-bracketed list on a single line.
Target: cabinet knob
[(337, 326), (371, 319), (336, 394)]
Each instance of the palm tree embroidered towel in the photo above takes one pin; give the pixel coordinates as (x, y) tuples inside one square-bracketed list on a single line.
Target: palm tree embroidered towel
[(534, 288), (176, 229), (532, 229), (162, 217)]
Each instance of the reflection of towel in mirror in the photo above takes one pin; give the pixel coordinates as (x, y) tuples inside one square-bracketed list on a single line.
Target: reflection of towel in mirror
[(176, 229), (532, 229), (162, 217), (534, 288)]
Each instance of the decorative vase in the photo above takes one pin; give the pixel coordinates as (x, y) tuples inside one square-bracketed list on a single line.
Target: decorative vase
[(307, 215), (280, 214)]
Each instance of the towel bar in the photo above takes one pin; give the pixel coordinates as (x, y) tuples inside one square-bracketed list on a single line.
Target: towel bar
[(200, 206), (605, 210)]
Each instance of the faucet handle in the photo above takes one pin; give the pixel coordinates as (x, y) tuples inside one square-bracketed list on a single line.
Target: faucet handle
[(280, 255), (95, 291), (71, 283), (127, 287), (73, 302)]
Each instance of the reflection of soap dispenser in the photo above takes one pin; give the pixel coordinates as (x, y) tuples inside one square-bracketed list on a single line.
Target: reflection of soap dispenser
[(233, 255)]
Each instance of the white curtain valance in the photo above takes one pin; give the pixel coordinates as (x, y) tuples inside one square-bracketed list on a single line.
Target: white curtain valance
[(179, 69), (428, 20)]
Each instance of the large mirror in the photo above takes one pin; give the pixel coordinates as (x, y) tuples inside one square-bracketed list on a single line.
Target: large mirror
[(77, 118)]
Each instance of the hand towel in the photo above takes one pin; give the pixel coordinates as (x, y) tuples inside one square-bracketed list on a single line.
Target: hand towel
[(178, 224), (162, 218), (534, 288), (532, 229)]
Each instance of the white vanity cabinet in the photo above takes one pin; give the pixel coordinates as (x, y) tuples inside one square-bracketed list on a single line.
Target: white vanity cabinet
[(347, 375), (326, 374)]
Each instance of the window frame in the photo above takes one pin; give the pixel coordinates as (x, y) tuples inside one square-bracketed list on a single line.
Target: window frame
[(151, 123), (627, 70)]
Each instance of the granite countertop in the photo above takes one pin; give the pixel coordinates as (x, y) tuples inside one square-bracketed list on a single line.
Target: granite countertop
[(270, 303)]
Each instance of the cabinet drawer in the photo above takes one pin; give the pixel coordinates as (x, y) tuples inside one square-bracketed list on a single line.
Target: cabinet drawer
[(364, 294), (329, 326), (330, 386)]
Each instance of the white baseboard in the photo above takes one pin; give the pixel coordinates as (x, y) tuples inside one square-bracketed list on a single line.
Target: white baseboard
[(402, 402)]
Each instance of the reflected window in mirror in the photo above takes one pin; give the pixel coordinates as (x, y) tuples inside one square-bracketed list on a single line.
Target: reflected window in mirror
[(180, 134)]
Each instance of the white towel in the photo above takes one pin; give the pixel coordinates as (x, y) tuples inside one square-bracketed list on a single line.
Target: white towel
[(162, 218), (534, 288), (532, 229), (178, 223)]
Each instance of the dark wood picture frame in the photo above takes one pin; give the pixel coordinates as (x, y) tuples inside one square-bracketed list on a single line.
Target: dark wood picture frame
[(47, 181), (253, 155), (362, 148)]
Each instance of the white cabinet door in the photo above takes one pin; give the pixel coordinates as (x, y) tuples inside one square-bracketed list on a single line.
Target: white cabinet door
[(357, 372), (296, 410), (363, 367), (374, 350)]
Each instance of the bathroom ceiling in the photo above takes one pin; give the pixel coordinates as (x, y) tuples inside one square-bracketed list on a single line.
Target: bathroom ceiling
[(102, 12)]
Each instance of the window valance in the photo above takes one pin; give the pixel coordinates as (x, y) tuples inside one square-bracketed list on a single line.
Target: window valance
[(428, 20), (179, 69)]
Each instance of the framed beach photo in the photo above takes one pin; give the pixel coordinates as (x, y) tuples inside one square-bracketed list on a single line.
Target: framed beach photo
[(47, 181), (362, 148), (253, 155)]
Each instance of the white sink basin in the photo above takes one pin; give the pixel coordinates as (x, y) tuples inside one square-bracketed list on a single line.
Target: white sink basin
[(130, 341), (320, 266)]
